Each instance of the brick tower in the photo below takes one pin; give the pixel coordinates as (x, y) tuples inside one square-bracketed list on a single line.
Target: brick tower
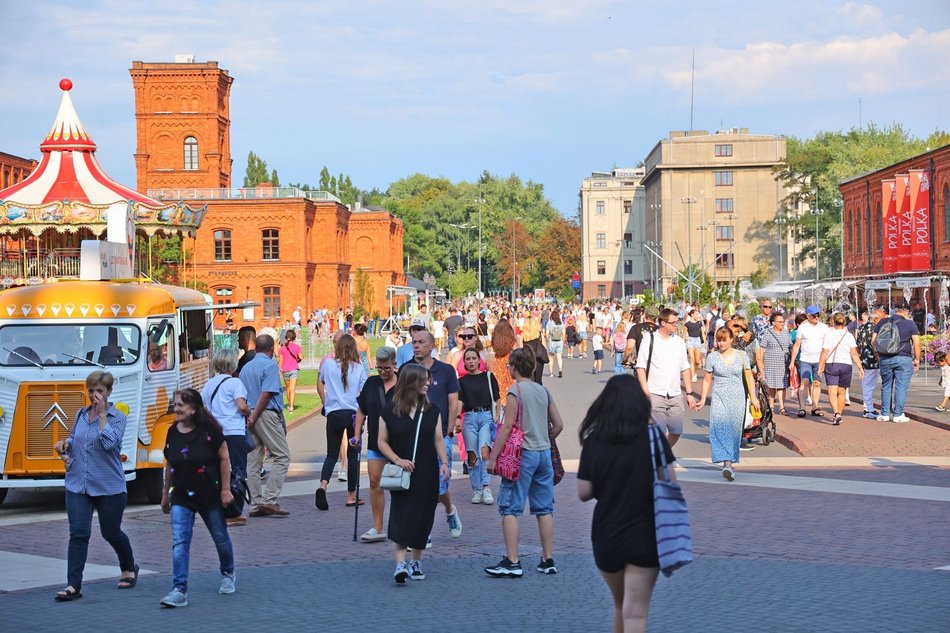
[(183, 124)]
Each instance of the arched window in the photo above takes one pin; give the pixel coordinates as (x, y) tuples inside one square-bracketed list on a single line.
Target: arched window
[(222, 245), (271, 244), (946, 213), (191, 153)]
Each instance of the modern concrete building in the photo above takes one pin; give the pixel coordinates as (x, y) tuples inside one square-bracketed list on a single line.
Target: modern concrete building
[(707, 197), (612, 235)]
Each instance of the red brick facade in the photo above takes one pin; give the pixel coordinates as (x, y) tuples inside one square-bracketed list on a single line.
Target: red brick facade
[(14, 169), (861, 197)]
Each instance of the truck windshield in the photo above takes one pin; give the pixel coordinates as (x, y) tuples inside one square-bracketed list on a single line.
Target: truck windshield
[(102, 344)]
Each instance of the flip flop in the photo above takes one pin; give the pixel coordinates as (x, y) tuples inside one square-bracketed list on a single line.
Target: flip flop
[(128, 583), (320, 499), (350, 504), (67, 595)]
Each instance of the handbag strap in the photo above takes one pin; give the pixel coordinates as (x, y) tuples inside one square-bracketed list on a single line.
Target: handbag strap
[(656, 447), (518, 410), (649, 354), (833, 349), (215, 392), (491, 394), (415, 444)]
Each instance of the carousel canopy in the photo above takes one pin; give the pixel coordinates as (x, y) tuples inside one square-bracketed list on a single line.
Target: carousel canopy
[(69, 189)]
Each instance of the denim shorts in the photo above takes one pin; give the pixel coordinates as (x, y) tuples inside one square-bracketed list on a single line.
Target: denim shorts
[(598, 354), (375, 455), (838, 374), (291, 375), (444, 485), (808, 371), (556, 347), (582, 336), (535, 485), (694, 342)]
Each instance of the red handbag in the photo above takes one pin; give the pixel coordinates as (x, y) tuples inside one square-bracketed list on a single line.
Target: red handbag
[(508, 464)]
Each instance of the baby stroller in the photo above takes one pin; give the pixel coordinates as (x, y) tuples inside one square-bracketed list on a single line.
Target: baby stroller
[(764, 427)]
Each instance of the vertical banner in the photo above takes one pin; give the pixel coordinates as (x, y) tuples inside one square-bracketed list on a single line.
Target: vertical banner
[(905, 222), (890, 225), (920, 211)]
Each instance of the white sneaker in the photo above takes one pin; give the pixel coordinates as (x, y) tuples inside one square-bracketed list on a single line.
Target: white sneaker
[(883, 418), (695, 378), (808, 400), (175, 598), (372, 536), (455, 524), (227, 583), (487, 497), (341, 476), (401, 573), (900, 419), (477, 496)]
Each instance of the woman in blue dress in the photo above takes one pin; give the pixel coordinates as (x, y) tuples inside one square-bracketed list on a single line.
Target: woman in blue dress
[(727, 367)]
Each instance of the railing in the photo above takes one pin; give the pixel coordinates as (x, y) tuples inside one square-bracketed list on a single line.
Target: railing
[(244, 193), (59, 262)]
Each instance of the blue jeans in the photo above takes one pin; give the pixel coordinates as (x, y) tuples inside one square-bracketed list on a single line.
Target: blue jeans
[(896, 372), (618, 364), (535, 485), (477, 433), (79, 509), (183, 523)]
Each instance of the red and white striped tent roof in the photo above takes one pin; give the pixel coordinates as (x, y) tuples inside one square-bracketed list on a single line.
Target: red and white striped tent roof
[(70, 188)]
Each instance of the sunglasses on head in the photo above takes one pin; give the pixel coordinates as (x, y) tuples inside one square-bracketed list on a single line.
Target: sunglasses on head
[(466, 337)]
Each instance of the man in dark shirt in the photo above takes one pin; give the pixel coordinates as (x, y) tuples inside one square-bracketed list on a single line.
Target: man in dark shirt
[(635, 335), (246, 342), (897, 369), (444, 394), (451, 324)]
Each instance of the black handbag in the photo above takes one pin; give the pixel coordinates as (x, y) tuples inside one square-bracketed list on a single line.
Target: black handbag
[(242, 496)]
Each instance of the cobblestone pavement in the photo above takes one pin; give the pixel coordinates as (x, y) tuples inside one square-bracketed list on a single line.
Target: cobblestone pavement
[(769, 557)]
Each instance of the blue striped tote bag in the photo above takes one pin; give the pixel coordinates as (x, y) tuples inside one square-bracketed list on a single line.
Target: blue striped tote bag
[(674, 543)]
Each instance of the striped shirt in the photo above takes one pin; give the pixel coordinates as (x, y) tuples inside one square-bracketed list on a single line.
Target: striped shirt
[(95, 467)]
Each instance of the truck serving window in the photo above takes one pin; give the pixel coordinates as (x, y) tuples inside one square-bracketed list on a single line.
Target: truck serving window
[(99, 344)]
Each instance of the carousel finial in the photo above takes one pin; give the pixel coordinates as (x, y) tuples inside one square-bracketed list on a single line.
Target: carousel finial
[(65, 84)]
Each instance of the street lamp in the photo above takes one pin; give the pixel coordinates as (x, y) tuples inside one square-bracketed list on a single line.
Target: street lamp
[(688, 201), (781, 220), (514, 260), (460, 227), (655, 207), (654, 266)]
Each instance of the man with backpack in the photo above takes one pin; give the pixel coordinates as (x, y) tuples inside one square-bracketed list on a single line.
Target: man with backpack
[(897, 343)]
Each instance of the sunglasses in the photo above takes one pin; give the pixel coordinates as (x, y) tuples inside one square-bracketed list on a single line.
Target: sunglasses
[(764, 307), (385, 369), (466, 337)]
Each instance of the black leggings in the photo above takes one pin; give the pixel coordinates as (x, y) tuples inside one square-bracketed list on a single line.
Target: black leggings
[(338, 423)]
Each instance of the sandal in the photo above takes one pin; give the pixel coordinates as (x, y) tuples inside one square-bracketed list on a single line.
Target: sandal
[(129, 581), (782, 412), (801, 413), (67, 595), (358, 502), (818, 413)]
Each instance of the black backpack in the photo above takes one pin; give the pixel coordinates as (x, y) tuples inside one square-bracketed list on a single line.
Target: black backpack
[(888, 341)]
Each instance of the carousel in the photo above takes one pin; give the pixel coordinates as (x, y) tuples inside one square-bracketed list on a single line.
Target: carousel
[(69, 198)]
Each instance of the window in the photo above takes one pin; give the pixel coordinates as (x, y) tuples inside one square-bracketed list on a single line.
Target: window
[(725, 205), (161, 347), (601, 240), (600, 207), (724, 260), (222, 245), (627, 290), (191, 153), (601, 267), (725, 233), (723, 178), (627, 240), (724, 150), (946, 213), (628, 267), (271, 243), (271, 302), (601, 291), (627, 206), (223, 295), (67, 344)]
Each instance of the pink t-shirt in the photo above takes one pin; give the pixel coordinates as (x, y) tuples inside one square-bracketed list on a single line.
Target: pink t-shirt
[(288, 356)]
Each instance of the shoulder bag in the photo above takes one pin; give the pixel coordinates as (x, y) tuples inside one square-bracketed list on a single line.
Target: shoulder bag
[(556, 462), (508, 464), (396, 477), (674, 541), (248, 438)]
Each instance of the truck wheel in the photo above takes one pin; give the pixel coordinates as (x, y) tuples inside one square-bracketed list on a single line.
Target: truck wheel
[(3, 494), (150, 482)]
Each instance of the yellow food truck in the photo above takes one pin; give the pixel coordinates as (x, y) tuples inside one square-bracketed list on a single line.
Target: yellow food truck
[(153, 338)]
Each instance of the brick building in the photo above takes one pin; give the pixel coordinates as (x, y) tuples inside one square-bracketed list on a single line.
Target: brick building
[(280, 247), (14, 169), (862, 215)]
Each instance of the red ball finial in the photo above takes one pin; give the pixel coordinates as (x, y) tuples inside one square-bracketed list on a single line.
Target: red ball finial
[(65, 84)]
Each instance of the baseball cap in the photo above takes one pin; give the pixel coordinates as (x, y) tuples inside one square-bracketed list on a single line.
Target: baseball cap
[(812, 309), (417, 324), (651, 312)]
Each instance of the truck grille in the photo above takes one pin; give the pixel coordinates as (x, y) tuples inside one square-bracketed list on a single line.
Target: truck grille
[(49, 417)]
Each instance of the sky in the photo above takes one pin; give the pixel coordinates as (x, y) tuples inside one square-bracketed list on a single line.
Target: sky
[(550, 90)]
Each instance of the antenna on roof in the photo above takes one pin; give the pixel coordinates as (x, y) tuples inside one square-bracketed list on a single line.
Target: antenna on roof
[(692, 89)]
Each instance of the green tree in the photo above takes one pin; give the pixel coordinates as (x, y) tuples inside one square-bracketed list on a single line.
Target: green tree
[(703, 294), (362, 293), (256, 171), (460, 283)]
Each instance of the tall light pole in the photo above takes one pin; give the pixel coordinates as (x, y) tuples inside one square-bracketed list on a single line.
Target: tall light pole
[(781, 220), (480, 295), (655, 207), (514, 260), (689, 201)]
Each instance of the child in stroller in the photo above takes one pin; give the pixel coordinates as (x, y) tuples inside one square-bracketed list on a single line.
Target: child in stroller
[(762, 428)]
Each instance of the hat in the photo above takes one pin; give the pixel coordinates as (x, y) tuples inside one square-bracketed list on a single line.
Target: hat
[(812, 309), (418, 323), (651, 312)]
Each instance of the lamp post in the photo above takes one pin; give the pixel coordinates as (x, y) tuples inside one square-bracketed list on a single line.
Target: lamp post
[(655, 207), (480, 295), (514, 260), (689, 201), (654, 272), (781, 220)]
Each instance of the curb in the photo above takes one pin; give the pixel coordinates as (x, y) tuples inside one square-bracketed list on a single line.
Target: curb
[(791, 442), (913, 415)]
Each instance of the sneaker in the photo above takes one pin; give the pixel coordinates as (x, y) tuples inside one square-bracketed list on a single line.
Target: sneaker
[(372, 536), (695, 378), (341, 476), (477, 496), (487, 497), (883, 418), (175, 598), (455, 524), (505, 569), (401, 573), (869, 415), (747, 447), (415, 570), (939, 408), (227, 583), (547, 566), (900, 419), (728, 474), (808, 400), (837, 420), (465, 468)]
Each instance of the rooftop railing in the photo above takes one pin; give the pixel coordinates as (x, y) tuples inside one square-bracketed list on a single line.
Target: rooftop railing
[(243, 193)]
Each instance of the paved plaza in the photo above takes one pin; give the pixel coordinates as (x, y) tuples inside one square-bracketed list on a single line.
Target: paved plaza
[(826, 542)]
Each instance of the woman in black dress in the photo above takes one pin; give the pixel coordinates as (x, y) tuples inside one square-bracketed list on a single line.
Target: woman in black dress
[(615, 468), (412, 511)]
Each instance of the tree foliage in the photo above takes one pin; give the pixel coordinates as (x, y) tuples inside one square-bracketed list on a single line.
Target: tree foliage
[(256, 172), (362, 293)]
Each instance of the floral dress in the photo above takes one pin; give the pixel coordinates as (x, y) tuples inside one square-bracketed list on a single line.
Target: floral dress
[(727, 408)]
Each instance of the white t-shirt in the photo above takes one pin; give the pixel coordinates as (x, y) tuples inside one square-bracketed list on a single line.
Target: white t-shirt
[(597, 342), (812, 337), (844, 340), (223, 408), (667, 365)]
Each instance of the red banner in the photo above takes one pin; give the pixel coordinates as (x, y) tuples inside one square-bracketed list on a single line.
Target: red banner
[(905, 222), (920, 210), (891, 225)]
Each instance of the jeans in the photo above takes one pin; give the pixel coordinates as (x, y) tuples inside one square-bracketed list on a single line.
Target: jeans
[(477, 433), (867, 387), (237, 451), (618, 364), (338, 423), (79, 509), (535, 485), (183, 524), (895, 375)]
